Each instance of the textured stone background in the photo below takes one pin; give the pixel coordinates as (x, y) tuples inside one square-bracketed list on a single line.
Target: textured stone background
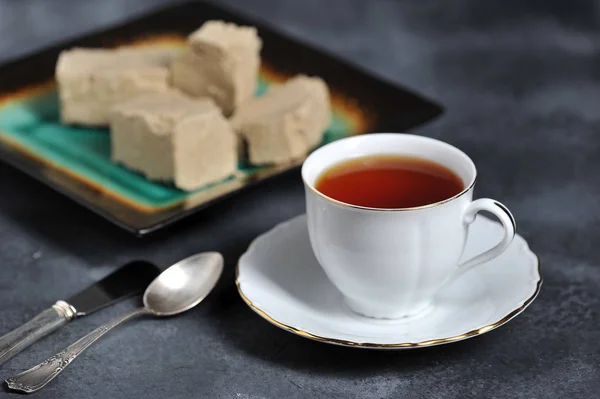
[(521, 84)]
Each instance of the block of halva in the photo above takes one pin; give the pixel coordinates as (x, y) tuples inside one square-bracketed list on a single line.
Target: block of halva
[(286, 122), (222, 63), (172, 137), (91, 81)]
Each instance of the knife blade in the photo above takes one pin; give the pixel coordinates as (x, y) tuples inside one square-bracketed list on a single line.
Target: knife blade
[(130, 279)]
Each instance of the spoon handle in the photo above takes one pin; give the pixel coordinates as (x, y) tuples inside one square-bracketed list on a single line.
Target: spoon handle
[(38, 376)]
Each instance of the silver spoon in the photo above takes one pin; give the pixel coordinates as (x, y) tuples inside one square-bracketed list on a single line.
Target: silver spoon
[(177, 289)]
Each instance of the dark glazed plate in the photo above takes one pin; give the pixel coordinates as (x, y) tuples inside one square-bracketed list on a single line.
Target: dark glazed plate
[(76, 161)]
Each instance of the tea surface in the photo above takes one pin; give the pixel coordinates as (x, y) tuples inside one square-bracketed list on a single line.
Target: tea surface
[(389, 181)]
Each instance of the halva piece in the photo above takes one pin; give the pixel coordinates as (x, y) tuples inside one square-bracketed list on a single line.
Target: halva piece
[(91, 81), (171, 137), (222, 63), (286, 122)]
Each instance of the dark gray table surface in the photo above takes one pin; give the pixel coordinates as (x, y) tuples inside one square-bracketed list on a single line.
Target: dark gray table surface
[(521, 84)]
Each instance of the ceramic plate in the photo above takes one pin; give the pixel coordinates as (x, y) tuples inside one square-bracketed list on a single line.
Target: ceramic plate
[(76, 161), (281, 280)]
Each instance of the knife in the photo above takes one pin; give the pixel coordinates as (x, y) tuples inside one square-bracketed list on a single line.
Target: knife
[(129, 280)]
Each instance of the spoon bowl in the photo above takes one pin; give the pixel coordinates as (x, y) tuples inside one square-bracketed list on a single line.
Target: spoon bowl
[(183, 285)]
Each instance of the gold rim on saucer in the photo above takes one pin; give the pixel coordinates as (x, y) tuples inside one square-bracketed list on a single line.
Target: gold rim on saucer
[(422, 344)]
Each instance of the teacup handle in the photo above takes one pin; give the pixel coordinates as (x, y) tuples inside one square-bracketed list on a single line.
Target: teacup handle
[(505, 217)]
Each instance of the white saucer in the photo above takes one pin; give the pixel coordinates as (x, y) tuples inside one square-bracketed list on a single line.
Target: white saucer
[(280, 279)]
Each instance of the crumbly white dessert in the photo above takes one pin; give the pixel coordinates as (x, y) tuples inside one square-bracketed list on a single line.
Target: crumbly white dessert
[(286, 122), (171, 137), (222, 63), (91, 81)]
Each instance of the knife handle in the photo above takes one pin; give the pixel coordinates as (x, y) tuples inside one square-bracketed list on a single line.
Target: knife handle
[(41, 325)]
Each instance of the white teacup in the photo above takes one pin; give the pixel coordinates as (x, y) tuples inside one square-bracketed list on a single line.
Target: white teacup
[(389, 263)]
